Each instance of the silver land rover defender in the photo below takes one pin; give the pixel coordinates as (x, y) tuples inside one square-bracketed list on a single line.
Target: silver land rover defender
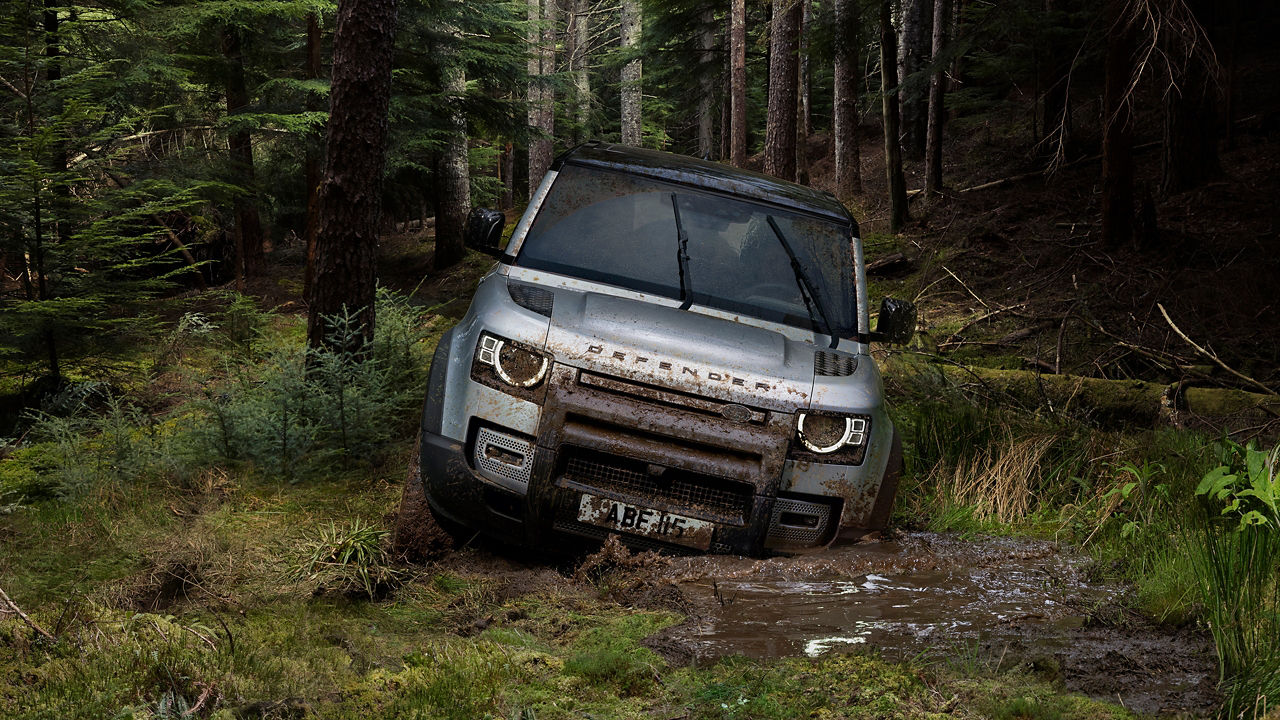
[(671, 350)]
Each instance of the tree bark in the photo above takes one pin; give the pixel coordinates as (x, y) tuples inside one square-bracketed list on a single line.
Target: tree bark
[(847, 72), (312, 168), (804, 125), (1190, 156), (542, 58), (780, 126), (706, 83), (453, 201), (631, 81), (1055, 81), (580, 34), (916, 21), (738, 83), (889, 107), (937, 91), (507, 164), (1117, 128), (248, 229), (350, 196)]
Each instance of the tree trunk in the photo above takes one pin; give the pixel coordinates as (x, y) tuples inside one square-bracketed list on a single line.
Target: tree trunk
[(631, 87), (847, 71), (1055, 80), (738, 83), (581, 36), (937, 90), (350, 196), (706, 83), (804, 125), (542, 18), (547, 112), (916, 20), (453, 201), (1190, 156), (780, 126), (889, 106), (248, 230), (507, 162), (314, 157), (1117, 129)]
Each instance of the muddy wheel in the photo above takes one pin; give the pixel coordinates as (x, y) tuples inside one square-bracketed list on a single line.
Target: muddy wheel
[(418, 536)]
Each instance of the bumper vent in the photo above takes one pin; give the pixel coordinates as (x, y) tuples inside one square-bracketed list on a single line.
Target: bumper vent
[(831, 364), (530, 297), (799, 524), (506, 460), (684, 492)]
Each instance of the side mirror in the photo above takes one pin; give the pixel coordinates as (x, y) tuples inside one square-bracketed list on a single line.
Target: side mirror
[(897, 322), (484, 231)]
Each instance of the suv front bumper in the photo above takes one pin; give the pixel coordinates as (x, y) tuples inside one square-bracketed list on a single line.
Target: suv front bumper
[(660, 475)]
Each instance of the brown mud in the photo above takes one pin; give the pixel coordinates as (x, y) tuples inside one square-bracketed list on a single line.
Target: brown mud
[(980, 604), (998, 603)]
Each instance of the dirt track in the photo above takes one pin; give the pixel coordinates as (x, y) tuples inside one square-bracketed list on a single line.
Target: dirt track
[(990, 603)]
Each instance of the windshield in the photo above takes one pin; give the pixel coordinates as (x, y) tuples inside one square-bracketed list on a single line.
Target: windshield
[(622, 230)]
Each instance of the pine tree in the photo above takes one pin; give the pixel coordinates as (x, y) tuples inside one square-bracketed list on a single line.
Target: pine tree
[(82, 208), (848, 26), (632, 21), (889, 103), (780, 129), (350, 195)]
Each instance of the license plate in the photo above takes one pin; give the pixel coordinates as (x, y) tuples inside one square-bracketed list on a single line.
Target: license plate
[(656, 524)]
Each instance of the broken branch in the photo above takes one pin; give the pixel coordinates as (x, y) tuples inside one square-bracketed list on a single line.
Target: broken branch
[(1212, 356), (17, 610)]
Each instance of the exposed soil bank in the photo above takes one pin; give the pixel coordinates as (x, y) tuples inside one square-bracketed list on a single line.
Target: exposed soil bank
[(997, 602)]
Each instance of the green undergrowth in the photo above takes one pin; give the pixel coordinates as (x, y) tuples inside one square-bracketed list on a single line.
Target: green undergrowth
[(410, 656), (1185, 520), (205, 542)]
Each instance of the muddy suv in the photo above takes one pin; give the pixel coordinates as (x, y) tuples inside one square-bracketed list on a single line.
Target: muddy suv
[(671, 350)]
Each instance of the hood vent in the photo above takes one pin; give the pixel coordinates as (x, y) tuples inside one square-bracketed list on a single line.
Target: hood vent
[(530, 297), (831, 364)]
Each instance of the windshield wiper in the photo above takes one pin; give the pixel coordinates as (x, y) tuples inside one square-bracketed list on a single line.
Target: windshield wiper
[(682, 256), (806, 288)]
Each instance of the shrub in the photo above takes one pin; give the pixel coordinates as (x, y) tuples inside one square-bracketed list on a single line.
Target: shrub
[(351, 559), (1239, 571)]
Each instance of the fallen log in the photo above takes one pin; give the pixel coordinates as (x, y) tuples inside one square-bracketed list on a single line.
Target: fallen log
[(1115, 402), (889, 264)]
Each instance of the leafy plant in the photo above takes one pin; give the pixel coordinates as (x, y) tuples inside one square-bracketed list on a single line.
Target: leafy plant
[(1239, 574), (352, 559)]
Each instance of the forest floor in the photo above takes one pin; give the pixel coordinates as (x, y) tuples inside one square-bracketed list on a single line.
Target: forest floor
[(1039, 566)]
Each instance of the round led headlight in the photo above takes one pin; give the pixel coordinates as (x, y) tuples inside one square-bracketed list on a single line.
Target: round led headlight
[(517, 366), (824, 433)]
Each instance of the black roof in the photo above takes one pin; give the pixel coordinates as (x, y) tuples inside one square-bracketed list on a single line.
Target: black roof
[(702, 173)]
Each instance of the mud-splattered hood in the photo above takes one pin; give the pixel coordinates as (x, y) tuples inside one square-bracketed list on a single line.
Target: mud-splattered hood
[(682, 350)]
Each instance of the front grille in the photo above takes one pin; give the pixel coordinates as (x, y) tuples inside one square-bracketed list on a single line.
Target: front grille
[(686, 492), (675, 399)]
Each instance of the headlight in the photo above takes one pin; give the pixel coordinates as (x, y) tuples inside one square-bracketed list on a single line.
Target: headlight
[(833, 434), (514, 364)]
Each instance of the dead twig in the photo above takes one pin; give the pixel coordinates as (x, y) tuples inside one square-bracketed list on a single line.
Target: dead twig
[(1214, 357), (25, 618), (966, 287), (195, 632), (985, 316)]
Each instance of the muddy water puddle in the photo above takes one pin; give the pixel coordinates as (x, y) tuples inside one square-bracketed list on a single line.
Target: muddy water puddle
[(994, 601)]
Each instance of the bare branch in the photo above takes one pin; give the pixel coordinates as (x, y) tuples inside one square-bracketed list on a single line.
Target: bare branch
[(5, 601), (1214, 357)]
